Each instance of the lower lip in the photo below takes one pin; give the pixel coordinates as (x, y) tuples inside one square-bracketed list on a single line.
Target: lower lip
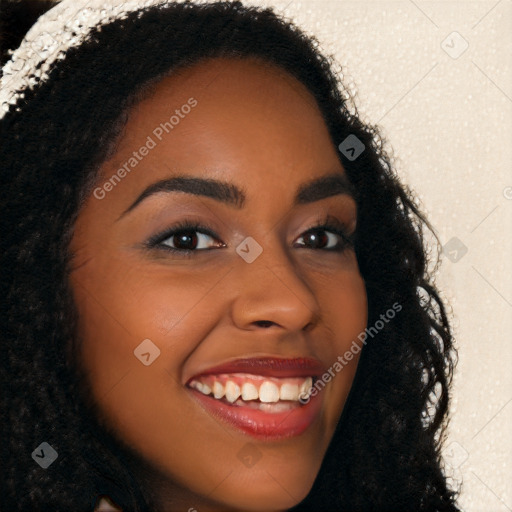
[(260, 424)]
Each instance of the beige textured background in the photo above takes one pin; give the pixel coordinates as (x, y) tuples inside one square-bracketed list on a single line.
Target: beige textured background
[(447, 116)]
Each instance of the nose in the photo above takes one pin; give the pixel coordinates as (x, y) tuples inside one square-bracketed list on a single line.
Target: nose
[(272, 293)]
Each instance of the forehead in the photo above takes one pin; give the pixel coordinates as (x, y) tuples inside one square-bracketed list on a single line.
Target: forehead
[(221, 80), (241, 120)]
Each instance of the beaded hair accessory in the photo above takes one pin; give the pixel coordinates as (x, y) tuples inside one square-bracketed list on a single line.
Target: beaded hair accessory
[(64, 26)]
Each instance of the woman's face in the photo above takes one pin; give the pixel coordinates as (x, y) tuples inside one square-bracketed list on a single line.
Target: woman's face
[(252, 301)]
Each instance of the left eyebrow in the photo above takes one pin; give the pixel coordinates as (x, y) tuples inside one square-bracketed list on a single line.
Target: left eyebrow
[(323, 187), (228, 193)]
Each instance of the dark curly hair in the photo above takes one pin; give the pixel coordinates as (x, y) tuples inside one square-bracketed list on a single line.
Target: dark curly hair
[(385, 453)]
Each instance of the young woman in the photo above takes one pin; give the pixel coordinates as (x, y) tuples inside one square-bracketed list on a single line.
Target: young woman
[(217, 294)]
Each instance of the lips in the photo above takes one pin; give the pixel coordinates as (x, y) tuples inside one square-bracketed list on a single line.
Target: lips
[(270, 367), (260, 396)]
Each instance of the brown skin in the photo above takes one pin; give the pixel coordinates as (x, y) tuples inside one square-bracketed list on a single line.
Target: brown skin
[(259, 128)]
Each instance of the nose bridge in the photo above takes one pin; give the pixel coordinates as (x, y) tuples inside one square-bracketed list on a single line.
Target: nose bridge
[(270, 290)]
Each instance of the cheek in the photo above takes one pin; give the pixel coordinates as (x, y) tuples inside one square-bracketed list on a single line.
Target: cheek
[(137, 330), (343, 302), (122, 307), (343, 305)]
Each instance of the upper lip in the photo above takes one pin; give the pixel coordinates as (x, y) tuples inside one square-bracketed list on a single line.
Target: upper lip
[(268, 367)]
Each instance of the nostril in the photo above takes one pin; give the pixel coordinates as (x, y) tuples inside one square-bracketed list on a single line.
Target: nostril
[(264, 323)]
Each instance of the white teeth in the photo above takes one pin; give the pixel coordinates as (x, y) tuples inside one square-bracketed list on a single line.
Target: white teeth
[(305, 387), (232, 391), (197, 385), (278, 407), (289, 392), (201, 386), (218, 390), (269, 392), (249, 391)]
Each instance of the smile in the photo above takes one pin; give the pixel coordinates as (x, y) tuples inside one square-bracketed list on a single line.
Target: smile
[(245, 389), (262, 403)]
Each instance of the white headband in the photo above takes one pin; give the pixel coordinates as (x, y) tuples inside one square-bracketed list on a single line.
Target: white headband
[(64, 26)]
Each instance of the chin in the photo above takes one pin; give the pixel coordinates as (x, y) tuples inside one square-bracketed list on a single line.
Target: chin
[(268, 495), (268, 487)]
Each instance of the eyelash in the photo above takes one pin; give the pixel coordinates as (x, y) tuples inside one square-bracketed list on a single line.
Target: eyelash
[(329, 224)]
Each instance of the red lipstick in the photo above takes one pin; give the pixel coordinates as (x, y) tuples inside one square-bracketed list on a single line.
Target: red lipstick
[(261, 417), (270, 367)]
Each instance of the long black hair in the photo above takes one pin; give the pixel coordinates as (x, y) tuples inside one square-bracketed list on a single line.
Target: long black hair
[(385, 453)]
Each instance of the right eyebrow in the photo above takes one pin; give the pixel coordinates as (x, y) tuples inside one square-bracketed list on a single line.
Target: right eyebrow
[(221, 191)]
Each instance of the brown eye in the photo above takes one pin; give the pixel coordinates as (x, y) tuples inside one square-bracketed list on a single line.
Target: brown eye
[(320, 238), (189, 240), (185, 240), (316, 239)]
